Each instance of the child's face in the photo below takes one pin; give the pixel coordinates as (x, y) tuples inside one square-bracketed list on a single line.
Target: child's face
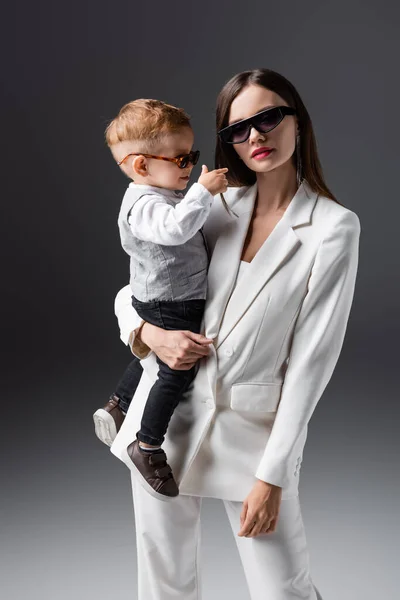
[(165, 174)]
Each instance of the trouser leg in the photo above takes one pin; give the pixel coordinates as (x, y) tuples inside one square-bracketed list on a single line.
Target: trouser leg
[(276, 565), (128, 383), (171, 384), (168, 546), (163, 398)]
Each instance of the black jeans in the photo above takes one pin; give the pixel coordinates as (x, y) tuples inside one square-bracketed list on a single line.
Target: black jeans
[(167, 391)]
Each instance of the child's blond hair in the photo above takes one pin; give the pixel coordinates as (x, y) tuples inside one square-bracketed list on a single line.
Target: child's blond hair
[(145, 120)]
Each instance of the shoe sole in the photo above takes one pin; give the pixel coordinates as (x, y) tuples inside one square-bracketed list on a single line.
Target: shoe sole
[(104, 426), (141, 480)]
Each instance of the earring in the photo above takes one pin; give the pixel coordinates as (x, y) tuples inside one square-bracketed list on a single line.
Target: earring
[(299, 165)]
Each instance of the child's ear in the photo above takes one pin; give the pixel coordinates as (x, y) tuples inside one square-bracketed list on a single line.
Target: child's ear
[(139, 166)]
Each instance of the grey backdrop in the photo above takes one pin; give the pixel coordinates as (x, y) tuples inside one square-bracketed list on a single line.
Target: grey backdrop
[(67, 520)]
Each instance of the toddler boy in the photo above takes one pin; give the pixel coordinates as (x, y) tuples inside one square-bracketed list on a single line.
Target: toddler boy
[(161, 231)]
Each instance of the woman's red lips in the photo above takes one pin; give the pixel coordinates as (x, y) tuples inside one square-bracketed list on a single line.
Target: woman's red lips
[(264, 151)]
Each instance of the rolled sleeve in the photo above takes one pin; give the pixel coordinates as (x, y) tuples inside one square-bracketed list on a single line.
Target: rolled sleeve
[(129, 323)]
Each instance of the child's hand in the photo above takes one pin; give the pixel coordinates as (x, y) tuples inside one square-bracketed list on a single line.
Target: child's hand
[(215, 181)]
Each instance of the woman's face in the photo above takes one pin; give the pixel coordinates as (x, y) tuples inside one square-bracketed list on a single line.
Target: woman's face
[(279, 143)]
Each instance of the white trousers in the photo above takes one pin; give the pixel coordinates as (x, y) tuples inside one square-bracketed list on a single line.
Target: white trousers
[(276, 565)]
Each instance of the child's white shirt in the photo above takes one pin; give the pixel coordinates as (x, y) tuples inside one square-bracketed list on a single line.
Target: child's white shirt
[(153, 219)]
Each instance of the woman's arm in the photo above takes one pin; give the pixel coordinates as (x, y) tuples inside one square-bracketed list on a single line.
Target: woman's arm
[(317, 342), (130, 323), (179, 349)]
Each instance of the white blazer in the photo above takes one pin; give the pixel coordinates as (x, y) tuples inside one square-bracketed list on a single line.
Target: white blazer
[(277, 337)]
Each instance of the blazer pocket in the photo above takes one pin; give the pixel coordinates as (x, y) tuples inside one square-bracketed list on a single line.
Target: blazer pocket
[(255, 397)]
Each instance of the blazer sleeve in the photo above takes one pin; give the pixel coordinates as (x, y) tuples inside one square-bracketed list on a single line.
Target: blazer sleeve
[(129, 323), (316, 344)]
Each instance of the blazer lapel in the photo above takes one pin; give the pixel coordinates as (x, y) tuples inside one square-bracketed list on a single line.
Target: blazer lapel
[(227, 303), (278, 247), (225, 262)]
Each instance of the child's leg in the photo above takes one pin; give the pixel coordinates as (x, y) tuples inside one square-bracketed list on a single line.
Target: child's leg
[(109, 418), (163, 398), (128, 383), (171, 384), (150, 464)]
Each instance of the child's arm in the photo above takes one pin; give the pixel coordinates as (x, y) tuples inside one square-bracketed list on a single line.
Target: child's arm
[(152, 220)]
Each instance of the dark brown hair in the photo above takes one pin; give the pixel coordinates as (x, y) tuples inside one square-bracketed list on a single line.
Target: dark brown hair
[(225, 154)]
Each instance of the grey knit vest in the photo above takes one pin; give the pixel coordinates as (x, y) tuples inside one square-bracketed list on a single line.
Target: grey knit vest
[(163, 272)]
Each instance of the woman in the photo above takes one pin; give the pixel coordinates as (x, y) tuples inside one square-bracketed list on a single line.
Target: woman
[(281, 281)]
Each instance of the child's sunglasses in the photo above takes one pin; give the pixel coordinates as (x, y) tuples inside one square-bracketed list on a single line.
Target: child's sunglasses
[(182, 161), (264, 121)]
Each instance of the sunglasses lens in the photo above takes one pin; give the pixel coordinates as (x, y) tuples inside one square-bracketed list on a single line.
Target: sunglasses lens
[(192, 157), (268, 120), (236, 134)]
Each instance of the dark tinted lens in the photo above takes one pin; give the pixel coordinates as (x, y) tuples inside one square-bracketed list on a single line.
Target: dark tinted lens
[(183, 161), (239, 132), (192, 157), (195, 157), (268, 120)]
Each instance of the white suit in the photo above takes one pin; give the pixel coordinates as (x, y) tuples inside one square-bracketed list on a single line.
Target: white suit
[(277, 337)]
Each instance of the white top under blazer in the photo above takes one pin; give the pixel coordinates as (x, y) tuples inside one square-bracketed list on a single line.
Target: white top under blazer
[(278, 331)]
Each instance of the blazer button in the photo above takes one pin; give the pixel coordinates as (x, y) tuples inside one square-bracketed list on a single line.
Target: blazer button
[(210, 403), (228, 352)]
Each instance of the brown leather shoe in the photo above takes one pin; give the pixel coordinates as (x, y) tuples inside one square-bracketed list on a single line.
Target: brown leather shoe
[(108, 420), (154, 473)]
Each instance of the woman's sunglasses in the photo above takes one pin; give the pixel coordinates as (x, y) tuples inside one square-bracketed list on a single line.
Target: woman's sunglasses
[(264, 121), (182, 161)]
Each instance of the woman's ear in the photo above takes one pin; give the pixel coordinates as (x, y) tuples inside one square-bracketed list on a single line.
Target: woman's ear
[(139, 166)]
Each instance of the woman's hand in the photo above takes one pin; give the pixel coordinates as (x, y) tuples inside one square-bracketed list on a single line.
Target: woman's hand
[(180, 350), (260, 510)]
